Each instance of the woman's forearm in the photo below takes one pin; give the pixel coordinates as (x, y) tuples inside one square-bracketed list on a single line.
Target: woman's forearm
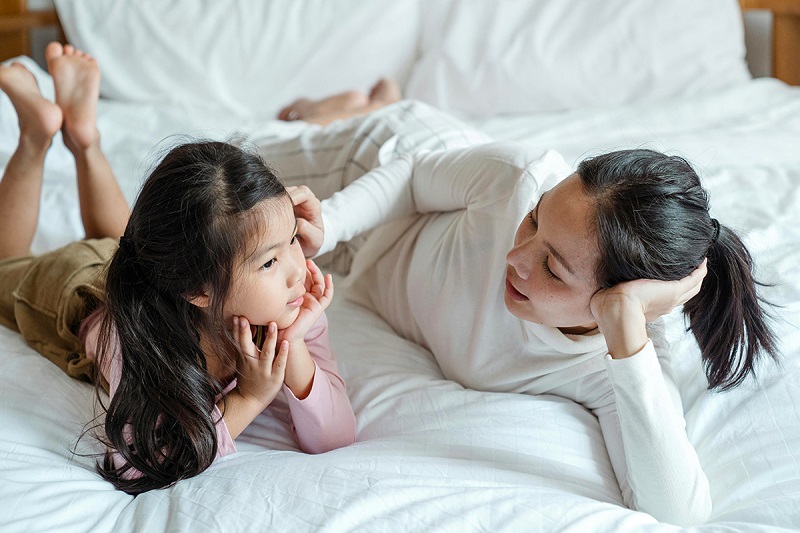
[(381, 195)]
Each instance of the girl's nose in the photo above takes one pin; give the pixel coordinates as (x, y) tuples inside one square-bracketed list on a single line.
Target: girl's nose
[(298, 272)]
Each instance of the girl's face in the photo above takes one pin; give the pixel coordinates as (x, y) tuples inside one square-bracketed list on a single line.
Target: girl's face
[(550, 274), (270, 283)]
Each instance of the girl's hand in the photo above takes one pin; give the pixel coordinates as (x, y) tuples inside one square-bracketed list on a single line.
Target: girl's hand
[(261, 372), (622, 311), (318, 296), (308, 212)]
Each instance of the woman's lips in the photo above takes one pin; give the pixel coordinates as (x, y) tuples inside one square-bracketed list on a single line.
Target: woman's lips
[(514, 293)]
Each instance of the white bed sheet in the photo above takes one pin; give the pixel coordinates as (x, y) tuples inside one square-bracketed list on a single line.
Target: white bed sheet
[(432, 455)]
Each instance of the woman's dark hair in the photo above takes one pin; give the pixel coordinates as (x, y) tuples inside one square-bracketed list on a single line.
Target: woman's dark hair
[(193, 218), (652, 221)]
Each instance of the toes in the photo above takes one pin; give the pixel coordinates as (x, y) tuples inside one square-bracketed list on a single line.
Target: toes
[(69, 50), (293, 110), (53, 50), (284, 113)]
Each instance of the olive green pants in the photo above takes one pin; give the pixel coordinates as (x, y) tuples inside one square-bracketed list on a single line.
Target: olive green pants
[(46, 297)]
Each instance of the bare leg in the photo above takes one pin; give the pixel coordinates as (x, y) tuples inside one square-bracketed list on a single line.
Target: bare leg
[(104, 210), (344, 105), (21, 186)]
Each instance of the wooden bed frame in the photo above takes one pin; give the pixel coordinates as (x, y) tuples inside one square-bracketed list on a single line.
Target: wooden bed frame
[(16, 21)]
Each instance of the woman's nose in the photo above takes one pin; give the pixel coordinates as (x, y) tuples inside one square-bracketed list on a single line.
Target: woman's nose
[(518, 258)]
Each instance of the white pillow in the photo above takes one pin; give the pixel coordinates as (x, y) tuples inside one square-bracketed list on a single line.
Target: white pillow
[(252, 57), (509, 56)]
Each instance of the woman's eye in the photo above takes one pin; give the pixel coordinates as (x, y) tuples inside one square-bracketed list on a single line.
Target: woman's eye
[(294, 239), (532, 216), (269, 264), (549, 272)]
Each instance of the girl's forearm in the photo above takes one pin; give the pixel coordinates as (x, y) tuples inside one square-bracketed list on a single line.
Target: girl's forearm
[(238, 411), (622, 322), (300, 369)]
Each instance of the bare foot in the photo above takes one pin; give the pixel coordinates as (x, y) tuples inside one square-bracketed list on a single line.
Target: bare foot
[(39, 118), (77, 81), (385, 92), (305, 109)]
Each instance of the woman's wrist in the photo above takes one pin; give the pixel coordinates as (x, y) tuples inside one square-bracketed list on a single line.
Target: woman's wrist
[(624, 326)]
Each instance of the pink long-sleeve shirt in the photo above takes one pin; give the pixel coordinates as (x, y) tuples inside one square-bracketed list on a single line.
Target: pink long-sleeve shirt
[(321, 422)]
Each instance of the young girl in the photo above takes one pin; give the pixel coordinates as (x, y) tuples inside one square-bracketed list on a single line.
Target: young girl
[(522, 275), (209, 250)]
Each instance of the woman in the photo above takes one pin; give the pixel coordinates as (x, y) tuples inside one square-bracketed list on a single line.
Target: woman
[(520, 275)]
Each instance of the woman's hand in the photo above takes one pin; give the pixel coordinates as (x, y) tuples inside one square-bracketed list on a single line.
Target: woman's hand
[(623, 310), (261, 372), (308, 212), (318, 296)]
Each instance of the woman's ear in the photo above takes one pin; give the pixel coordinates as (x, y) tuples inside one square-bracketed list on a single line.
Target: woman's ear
[(200, 300)]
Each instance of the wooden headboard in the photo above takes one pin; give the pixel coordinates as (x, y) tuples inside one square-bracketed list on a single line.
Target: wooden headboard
[(785, 36), (16, 22)]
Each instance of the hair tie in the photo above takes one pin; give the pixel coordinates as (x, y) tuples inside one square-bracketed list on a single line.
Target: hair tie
[(714, 237)]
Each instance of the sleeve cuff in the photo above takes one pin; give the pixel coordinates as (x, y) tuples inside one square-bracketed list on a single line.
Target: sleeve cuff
[(225, 444), (636, 369), (329, 240), (314, 396)]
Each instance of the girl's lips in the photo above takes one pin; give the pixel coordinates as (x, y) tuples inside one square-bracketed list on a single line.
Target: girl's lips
[(514, 293), (297, 302)]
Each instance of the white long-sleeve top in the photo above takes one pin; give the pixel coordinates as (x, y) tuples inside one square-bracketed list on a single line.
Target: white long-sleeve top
[(437, 275)]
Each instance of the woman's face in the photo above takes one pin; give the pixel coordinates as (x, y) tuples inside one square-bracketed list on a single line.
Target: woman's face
[(550, 276)]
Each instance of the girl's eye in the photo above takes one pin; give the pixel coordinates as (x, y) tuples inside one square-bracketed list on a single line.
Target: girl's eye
[(549, 272), (294, 239), (269, 264), (532, 216)]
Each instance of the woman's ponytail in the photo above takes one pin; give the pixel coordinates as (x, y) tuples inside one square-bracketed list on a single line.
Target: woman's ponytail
[(726, 316), (652, 219)]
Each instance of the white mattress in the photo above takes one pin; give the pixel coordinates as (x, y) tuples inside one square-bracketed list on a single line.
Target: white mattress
[(431, 455)]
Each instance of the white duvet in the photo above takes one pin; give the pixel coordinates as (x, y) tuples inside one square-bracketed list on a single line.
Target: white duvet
[(431, 455)]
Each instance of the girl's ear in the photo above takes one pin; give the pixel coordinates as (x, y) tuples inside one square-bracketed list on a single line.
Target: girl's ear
[(200, 300)]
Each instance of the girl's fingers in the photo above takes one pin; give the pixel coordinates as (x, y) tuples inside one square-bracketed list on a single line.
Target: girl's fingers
[(317, 279), (235, 331), (241, 334), (268, 349), (279, 365), (313, 272), (327, 294)]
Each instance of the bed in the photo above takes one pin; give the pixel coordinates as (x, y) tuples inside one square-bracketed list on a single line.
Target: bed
[(431, 455)]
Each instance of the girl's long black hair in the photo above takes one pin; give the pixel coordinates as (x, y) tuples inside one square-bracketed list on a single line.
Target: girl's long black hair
[(193, 218), (653, 222)]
